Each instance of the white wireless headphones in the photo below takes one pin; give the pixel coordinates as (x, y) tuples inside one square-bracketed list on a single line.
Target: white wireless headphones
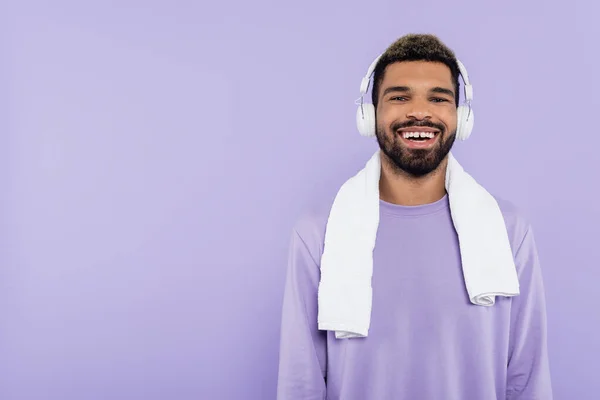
[(365, 114)]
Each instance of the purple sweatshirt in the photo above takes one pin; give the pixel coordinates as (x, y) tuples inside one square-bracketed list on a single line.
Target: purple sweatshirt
[(426, 341)]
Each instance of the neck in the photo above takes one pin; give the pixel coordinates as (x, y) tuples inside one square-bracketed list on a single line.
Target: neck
[(397, 187)]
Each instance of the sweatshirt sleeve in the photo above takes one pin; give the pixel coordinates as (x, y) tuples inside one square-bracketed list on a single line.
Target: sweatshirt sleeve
[(303, 348), (528, 366)]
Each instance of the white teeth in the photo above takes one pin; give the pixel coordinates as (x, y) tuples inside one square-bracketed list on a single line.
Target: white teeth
[(407, 135)]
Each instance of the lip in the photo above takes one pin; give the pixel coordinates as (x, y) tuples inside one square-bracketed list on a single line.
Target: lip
[(418, 129)]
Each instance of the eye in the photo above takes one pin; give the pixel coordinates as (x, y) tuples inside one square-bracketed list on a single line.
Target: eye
[(439, 100), (398, 98)]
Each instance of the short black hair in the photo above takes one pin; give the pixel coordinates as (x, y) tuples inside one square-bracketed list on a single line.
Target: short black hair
[(416, 47)]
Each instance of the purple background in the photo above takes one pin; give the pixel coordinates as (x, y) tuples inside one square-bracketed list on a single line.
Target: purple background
[(155, 155)]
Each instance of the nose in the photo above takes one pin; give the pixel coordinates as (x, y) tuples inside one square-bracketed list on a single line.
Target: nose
[(419, 110)]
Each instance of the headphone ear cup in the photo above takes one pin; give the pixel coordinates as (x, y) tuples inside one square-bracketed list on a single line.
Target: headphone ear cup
[(465, 121), (365, 119)]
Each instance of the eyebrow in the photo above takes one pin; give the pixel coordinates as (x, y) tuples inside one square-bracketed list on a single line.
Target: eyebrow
[(436, 89), (392, 89), (442, 90)]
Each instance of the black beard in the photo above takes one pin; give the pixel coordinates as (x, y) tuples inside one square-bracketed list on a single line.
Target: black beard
[(414, 162)]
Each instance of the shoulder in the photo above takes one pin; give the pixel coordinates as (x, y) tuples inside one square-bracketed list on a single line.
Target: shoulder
[(518, 225), (310, 227)]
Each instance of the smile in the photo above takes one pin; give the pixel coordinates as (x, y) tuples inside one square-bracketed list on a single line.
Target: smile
[(419, 137)]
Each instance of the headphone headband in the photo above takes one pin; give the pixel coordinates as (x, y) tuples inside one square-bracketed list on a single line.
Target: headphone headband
[(465, 78), (364, 85)]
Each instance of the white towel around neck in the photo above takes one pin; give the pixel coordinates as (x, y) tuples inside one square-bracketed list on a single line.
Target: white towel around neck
[(345, 292)]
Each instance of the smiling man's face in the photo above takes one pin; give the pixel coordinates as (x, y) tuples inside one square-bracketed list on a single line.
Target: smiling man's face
[(416, 115)]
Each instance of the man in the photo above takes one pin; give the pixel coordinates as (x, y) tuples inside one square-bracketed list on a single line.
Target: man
[(427, 341)]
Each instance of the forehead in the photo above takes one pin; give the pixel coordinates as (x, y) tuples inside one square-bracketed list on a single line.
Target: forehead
[(418, 73)]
